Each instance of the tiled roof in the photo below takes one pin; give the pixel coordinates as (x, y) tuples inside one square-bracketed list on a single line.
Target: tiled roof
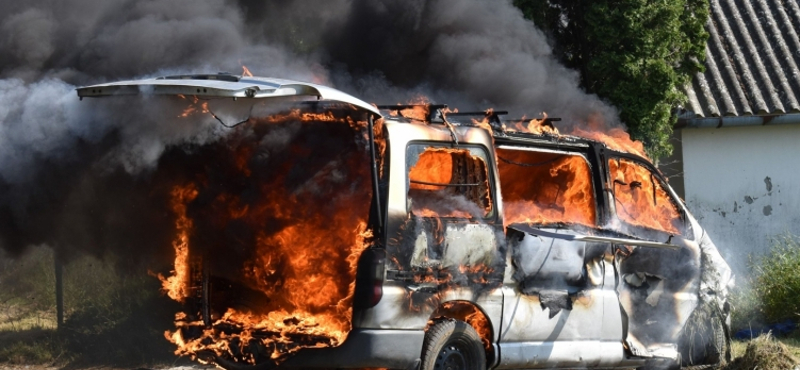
[(752, 60)]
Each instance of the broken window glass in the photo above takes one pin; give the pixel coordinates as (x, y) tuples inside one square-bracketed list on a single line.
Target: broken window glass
[(448, 182), (641, 199), (546, 187)]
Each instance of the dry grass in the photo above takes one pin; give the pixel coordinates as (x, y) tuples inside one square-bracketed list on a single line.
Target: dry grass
[(112, 318), (765, 353)]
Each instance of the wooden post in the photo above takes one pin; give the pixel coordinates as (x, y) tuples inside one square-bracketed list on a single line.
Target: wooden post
[(59, 291)]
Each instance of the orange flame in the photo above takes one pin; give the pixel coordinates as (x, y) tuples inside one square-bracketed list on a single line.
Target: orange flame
[(471, 315), (615, 138), (543, 188), (535, 126), (299, 268), (483, 123), (246, 72), (594, 128), (176, 286), (640, 199), (439, 179), (420, 111)]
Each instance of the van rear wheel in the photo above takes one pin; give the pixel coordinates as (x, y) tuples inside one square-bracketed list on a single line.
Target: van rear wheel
[(452, 345)]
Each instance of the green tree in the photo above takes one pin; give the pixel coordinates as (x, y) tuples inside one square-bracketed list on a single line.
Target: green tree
[(636, 54)]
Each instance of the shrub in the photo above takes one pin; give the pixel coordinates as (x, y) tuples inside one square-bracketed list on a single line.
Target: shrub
[(770, 294), (776, 280), (746, 307)]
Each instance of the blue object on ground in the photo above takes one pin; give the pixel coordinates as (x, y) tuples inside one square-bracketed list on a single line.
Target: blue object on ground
[(778, 329)]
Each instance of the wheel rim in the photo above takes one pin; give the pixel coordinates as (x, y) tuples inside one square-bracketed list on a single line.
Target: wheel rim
[(451, 358)]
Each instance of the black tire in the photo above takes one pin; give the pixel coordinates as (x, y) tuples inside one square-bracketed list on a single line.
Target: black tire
[(452, 345), (706, 346)]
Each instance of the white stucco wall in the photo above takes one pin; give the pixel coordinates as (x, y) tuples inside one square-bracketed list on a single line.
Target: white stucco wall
[(743, 185)]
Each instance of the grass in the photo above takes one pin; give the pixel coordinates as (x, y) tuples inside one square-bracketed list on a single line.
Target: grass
[(770, 295), (33, 346), (792, 344), (112, 317), (765, 353)]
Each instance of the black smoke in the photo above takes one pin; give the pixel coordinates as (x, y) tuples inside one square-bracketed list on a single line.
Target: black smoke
[(86, 176)]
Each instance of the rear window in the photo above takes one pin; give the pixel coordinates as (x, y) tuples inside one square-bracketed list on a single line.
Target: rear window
[(448, 182), (545, 187), (641, 199)]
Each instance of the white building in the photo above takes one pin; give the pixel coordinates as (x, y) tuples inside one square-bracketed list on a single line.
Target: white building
[(740, 131)]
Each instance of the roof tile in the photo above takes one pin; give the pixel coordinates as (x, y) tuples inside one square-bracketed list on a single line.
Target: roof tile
[(752, 59)]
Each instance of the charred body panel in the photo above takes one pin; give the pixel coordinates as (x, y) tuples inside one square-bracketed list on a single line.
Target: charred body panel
[(658, 289), (561, 307), (433, 260)]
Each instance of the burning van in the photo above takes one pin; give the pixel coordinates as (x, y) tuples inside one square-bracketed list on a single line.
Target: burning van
[(323, 231)]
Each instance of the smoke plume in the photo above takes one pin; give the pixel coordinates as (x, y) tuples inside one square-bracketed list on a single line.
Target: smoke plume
[(85, 175)]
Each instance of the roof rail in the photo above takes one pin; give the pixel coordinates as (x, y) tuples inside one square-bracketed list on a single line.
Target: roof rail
[(431, 112), (491, 116)]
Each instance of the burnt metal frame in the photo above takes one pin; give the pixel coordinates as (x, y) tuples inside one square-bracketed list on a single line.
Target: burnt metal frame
[(432, 109), (491, 116), (374, 167)]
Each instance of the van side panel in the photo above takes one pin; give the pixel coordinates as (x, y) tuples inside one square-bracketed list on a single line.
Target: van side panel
[(583, 330)]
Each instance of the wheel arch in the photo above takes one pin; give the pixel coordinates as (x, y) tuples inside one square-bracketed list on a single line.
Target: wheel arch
[(472, 314)]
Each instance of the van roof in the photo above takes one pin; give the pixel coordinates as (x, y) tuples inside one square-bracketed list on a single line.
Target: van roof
[(223, 85)]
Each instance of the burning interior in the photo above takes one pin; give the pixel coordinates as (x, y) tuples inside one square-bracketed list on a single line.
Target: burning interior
[(546, 187), (448, 182), (270, 224)]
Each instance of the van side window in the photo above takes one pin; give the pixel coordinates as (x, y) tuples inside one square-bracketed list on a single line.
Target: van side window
[(641, 199), (448, 182), (544, 187)]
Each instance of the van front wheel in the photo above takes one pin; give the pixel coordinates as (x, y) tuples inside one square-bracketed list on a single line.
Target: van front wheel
[(452, 345)]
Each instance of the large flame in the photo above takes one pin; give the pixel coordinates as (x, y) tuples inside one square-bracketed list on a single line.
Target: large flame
[(448, 182), (277, 213), (176, 286), (640, 198), (546, 188), (614, 137)]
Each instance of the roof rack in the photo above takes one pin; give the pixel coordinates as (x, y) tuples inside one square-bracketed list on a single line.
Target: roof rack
[(432, 111), (433, 114), (490, 115)]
